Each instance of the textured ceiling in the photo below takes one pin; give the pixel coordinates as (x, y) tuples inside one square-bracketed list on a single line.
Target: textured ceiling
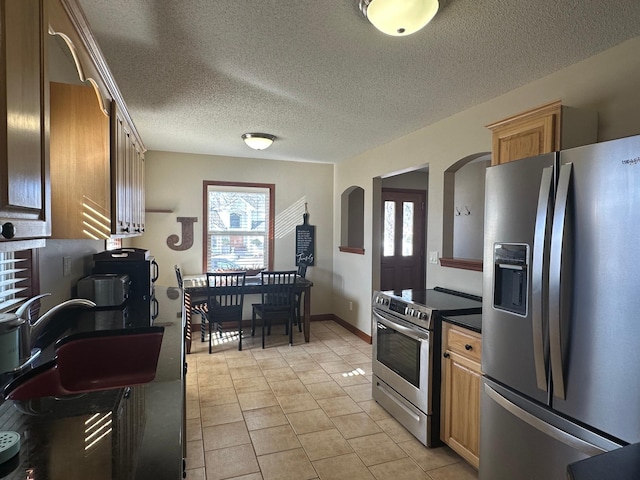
[(197, 74)]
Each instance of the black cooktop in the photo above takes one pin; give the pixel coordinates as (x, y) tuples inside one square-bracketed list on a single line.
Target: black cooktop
[(440, 299)]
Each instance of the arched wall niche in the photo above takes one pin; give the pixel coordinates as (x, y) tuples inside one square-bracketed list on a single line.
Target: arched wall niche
[(463, 212), (352, 220)]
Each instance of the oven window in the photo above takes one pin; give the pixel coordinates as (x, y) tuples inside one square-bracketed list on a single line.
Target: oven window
[(399, 353)]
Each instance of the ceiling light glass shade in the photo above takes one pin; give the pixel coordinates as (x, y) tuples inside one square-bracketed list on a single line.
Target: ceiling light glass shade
[(399, 17), (258, 141)]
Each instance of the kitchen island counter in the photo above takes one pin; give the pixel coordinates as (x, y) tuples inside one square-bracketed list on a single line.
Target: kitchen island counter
[(133, 433)]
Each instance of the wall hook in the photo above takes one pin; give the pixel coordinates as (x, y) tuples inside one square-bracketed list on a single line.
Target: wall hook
[(467, 212), (457, 211)]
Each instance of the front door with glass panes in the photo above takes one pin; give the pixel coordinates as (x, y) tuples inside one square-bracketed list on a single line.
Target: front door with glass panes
[(403, 262)]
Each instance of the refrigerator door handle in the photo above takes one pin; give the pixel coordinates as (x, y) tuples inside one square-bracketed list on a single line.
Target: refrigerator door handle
[(542, 426), (537, 283), (555, 281)]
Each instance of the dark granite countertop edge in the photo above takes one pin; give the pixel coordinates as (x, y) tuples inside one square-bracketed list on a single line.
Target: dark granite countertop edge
[(465, 321)]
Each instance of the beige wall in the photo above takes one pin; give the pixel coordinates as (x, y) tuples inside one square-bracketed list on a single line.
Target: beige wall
[(80, 253), (606, 83), (174, 182)]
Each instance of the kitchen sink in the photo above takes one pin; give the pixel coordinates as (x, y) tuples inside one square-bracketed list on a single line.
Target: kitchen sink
[(92, 361)]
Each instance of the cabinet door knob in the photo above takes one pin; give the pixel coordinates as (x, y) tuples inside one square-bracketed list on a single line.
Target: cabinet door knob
[(468, 347), (8, 230), (445, 355)]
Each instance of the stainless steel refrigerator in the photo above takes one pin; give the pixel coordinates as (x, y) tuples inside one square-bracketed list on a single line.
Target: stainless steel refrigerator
[(561, 310)]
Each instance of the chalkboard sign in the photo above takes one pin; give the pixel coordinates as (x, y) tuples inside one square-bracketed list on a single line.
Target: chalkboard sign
[(305, 242)]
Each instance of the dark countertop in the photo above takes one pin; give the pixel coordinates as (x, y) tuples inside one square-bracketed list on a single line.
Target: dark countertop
[(439, 298), (620, 464), (139, 428), (472, 322)]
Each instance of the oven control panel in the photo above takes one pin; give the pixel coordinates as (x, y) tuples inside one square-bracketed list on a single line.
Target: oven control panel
[(418, 314), (380, 300), (397, 306), (409, 311)]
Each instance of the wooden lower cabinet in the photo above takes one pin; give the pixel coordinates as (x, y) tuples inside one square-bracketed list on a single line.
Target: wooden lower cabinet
[(461, 373)]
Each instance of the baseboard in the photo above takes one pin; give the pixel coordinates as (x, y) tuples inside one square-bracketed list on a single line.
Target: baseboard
[(322, 317), (348, 326)]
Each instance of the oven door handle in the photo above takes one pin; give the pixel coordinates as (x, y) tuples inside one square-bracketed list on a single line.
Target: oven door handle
[(409, 332)]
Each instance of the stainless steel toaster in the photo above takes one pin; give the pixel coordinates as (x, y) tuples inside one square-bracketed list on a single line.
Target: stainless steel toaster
[(105, 289)]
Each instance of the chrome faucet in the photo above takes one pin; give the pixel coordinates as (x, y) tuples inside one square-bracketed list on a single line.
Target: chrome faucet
[(30, 330)]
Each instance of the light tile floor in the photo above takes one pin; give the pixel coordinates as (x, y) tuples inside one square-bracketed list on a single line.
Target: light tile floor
[(299, 412)]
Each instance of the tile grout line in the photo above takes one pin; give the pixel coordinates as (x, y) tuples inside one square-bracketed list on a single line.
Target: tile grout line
[(317, 364), (344, 341)]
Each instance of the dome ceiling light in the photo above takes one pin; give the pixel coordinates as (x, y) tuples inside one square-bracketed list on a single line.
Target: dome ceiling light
[(399, 17), (258, 141)]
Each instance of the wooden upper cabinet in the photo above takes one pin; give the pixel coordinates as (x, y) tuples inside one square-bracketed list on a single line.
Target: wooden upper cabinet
[(120, 139), (127, 171), (80, 164), (97, 152), (138, 189), (544, 129), (97, 168), (24, 122)]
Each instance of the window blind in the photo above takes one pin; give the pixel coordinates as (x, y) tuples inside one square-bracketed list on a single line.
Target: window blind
[(14, 281)]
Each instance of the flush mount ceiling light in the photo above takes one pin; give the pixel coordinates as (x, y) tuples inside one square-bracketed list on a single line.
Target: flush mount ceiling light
[(258, 141), (399, 17)]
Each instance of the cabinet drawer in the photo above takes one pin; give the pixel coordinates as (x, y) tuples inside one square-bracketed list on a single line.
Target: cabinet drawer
[(463, 342)]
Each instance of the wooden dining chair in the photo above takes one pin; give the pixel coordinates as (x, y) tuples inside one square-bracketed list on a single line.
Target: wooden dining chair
[(225, 300), (278, 302), (192, 305)]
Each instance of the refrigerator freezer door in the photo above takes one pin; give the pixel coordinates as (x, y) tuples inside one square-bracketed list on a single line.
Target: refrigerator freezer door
[(600, 298), (523, 440), (513, 193)]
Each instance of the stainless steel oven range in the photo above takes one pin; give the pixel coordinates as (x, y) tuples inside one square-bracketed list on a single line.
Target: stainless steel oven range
[(406, 330)]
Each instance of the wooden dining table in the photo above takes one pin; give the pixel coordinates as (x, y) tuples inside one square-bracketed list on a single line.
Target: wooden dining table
[(195, 291)]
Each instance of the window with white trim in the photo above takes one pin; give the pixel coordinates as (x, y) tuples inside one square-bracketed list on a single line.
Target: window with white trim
[(238, 226)]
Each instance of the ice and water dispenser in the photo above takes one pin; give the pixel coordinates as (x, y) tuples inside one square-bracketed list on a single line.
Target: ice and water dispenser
[(511, 271)]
